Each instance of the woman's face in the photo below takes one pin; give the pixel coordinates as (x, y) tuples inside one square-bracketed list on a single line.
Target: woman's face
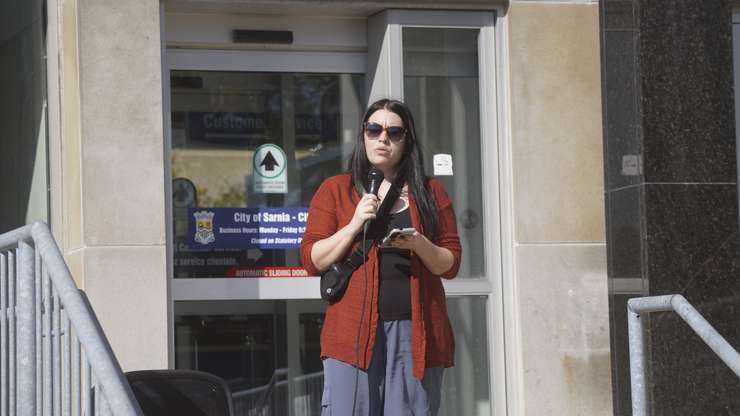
[(383, 152)]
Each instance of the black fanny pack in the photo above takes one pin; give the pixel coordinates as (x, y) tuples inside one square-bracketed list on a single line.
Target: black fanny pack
[(335, 279)]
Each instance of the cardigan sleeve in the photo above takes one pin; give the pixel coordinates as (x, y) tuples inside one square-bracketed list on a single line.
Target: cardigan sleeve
[(447, 236), (321, 223)]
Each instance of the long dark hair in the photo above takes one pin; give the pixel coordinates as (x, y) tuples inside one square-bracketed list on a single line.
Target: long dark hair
[(410, 168)]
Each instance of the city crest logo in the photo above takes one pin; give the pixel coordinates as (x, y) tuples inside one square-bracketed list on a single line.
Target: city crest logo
[(204, 227)]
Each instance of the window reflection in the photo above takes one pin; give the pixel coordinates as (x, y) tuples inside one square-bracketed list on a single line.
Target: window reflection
[(219, 121), (269, 355), (466, 387)]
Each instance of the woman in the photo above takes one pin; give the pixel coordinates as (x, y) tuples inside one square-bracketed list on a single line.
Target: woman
[(387, 340)]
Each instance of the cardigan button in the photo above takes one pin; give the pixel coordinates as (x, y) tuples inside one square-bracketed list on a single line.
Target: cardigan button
[(328, 290)]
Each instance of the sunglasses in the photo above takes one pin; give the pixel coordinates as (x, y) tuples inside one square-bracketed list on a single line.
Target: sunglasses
[(374, 130)]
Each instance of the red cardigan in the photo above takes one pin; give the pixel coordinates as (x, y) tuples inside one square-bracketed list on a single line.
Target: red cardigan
[(432, 340)]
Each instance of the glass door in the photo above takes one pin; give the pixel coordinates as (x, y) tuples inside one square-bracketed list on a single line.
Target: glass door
[(440, 64), (248, 149), (441, 85)]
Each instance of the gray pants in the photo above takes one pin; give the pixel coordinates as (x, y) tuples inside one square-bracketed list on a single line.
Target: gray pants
[(388, 387)]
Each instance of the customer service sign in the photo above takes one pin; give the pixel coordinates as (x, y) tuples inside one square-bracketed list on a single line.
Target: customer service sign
[(264, 228)]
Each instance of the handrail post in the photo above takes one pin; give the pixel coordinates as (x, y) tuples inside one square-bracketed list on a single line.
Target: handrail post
[(26, 315), (637, 363), (679, 305)]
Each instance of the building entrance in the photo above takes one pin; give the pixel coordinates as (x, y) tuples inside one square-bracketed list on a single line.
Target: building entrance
[(253, 132)]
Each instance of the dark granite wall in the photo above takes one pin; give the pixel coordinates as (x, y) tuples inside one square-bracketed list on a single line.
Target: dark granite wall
[(671, 192)]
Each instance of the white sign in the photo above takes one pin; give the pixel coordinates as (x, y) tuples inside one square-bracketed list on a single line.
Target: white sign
[(631, 165), (442, 164), (270, 173)]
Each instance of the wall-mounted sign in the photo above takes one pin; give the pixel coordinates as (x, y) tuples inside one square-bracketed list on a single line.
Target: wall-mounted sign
[(264, 228), (270, 173), (442, 164), (233, 128)]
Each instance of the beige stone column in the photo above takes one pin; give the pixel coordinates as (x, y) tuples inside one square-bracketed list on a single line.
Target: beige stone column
[(112, 204), (560, 248)]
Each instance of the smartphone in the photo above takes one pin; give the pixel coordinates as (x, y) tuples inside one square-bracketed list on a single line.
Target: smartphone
[(395, 233)]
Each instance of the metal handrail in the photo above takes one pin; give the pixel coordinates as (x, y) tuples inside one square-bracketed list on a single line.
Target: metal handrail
[(678, 304), (33, 247), (267, 394)]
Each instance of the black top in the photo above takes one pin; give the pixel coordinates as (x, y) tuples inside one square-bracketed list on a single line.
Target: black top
[(394, 301)]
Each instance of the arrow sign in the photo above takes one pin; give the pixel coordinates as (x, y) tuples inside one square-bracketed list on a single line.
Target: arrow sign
[(270, 176), (269, 162)]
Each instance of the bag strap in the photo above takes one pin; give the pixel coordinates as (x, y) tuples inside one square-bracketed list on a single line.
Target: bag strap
[(376, 226)]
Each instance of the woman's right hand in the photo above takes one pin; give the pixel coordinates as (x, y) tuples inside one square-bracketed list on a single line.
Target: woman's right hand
[(365, 210)]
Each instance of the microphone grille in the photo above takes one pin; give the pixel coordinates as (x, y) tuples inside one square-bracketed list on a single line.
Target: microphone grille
[(375, 174)]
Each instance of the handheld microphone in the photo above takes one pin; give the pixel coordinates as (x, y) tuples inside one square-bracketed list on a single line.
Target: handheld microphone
[(374, 179)]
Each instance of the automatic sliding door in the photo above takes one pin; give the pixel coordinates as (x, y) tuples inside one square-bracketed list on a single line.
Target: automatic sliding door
[(249, 149)]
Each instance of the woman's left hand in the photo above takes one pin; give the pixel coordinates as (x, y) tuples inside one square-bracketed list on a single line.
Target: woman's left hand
[(409, 242), (437, 259)]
